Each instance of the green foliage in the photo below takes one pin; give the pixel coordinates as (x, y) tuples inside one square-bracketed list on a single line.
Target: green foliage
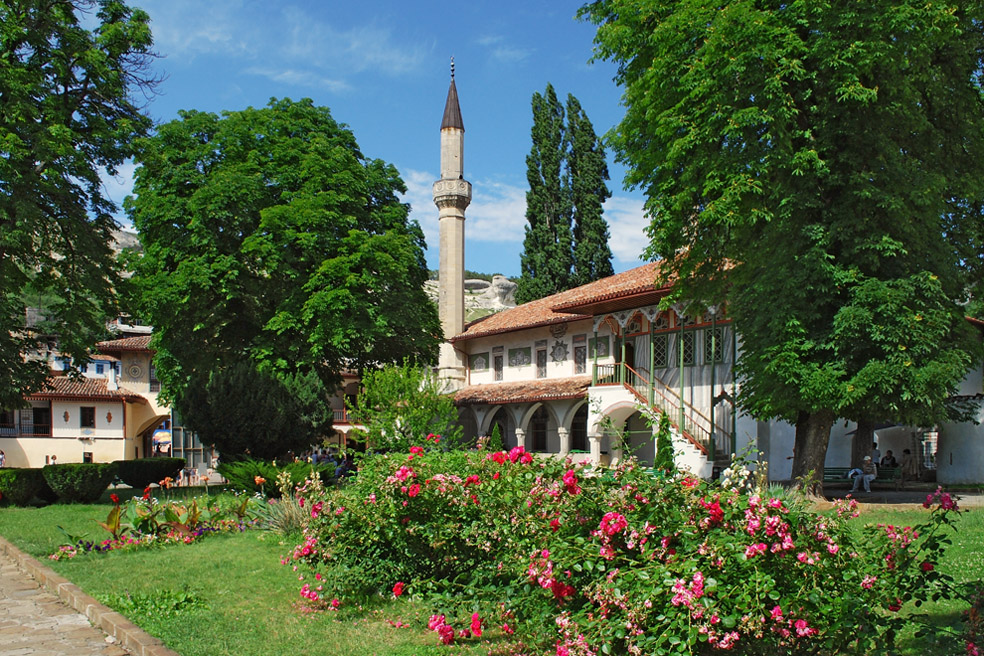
[(243, 475), (664, 459), (268, 237), (249, 413), (142, 472), (623, 563), (69, 76), (805, 171), (20, 486), (156, 608), (399, 403), (566, 241), (79, 482)]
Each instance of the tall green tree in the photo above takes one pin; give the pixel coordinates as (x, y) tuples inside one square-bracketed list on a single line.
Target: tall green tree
[(566, 242), (819, 166), (68, 74), (269, 237), (547, 259), (587, 175)]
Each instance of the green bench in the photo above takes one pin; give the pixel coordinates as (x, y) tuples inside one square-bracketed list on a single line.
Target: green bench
[(891, 475)]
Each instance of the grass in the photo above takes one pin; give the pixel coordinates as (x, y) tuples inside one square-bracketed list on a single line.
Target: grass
[(229, 594), (225, 595)]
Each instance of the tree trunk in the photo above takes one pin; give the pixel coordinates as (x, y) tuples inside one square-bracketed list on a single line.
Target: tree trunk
[(812, 435), (863, 438)]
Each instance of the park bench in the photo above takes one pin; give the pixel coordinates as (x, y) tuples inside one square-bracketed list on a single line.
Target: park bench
[(889, 475)]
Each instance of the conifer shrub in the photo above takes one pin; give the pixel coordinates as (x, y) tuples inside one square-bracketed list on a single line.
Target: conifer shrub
[(79, 482), (261, 476), (20, 486), (142, 472)]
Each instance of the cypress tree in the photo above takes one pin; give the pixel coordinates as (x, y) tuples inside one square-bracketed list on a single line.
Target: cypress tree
[(566, 241), (587, 173), (547, 258)]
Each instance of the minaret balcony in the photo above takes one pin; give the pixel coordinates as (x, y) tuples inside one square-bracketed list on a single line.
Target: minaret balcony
[(452, 193)]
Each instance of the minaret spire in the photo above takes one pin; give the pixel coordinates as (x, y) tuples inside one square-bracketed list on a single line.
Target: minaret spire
[(452, 194)]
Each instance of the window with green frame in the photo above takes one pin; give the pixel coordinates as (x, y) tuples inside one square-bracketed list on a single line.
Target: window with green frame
[(661, 349), (714, 344), (687, 340)]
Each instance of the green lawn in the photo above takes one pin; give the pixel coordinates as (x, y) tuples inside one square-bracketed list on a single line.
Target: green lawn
[(229, 594), (226, 595)]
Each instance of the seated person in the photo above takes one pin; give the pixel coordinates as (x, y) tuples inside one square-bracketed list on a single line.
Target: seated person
[(888, 460), (869, 472)]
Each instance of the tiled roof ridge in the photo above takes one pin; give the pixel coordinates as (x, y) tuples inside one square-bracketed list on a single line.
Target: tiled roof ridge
[(547, 389), (132, 343), (71, 387)]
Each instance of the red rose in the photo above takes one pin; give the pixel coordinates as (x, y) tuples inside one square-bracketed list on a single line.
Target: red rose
[(398, 589), (927, 566), (115, 499)]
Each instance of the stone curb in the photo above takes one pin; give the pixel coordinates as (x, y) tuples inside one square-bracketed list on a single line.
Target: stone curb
[(128, 635)]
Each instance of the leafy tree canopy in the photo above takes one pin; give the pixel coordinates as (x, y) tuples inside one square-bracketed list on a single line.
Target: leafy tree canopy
[(68, 72), (268, 236), (818, 165)]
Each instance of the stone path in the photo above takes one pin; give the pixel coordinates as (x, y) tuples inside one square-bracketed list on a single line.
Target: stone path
[(43, 614)]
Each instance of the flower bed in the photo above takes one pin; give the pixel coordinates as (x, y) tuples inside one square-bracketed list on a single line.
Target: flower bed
[(563, 558)]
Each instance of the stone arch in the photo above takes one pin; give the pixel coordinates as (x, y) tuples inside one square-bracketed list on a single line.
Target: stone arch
[(507, 423)]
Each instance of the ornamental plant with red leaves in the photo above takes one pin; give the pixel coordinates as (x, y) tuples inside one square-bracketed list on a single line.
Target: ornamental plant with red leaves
[(577, 561)]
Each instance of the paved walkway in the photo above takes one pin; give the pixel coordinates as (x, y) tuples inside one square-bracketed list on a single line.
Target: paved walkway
[(43, 614)]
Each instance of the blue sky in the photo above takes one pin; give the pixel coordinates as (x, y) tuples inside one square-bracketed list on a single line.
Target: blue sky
[(382, 66)]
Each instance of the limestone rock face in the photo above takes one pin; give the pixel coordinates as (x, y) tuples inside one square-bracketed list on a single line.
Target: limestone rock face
[(481, 296)]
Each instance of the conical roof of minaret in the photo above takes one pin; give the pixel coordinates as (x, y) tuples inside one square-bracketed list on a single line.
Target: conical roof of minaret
[(452, 112)]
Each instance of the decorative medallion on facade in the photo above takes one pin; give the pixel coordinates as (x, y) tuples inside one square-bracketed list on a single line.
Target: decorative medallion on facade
[(520, 357), (558, 330), (559, 351), (135, 371)]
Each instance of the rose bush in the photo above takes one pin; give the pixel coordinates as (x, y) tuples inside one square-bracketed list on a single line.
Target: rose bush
[(581, 561)]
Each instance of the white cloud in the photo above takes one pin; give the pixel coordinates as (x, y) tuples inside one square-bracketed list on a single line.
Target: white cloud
[(360, 48), (183, 29), (502, 51), (627, 224), (300, 78)]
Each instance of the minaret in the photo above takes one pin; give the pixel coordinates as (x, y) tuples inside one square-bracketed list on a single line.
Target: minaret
[(452, 193)]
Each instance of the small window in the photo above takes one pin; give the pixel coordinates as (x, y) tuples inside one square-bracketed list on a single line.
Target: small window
[(714, 345), (688, 349), (87, 417), (497, 366), (100, 368), (580, 359), (87, 456), (661, 349), (541, 363)]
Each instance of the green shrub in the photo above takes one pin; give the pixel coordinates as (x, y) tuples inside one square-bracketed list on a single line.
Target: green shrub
[(142, 472), (20, 486), (80, 482), (244, 474)]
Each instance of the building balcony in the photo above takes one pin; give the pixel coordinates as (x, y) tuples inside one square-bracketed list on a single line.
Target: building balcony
[(25, 430)]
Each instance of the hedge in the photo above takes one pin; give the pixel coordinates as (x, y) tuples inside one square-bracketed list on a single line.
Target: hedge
[(20, 486), (142, 472), (80, 482)]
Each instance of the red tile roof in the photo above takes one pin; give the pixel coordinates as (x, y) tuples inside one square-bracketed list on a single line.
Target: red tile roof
[(524, 391), (635, 281), (84, 389), (565, 306), (136, 343)]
